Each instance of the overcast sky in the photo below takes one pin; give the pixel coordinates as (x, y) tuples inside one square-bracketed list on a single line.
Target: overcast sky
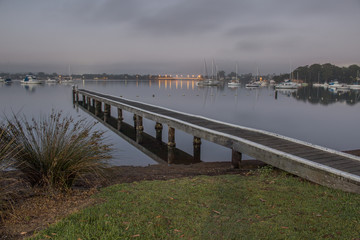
[(175, 36)]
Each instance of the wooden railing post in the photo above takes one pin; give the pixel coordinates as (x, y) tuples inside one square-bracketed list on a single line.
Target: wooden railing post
[(235, 158)]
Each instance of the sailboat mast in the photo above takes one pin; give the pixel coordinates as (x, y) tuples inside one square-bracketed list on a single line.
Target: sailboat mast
[(236, 71), (212, 69)]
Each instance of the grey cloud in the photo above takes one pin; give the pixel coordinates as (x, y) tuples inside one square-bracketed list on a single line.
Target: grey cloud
[(190, 17), (255, 30)]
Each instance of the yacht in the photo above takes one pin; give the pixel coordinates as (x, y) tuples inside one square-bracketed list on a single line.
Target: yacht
[(253, 84), (208, 82), (287, 84), (30, 79), (235, 82)]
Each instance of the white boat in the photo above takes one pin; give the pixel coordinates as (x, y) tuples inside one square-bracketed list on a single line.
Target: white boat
[(1, 80), (235, 82), (66, 79), (209, 81), (253, 84), (357, 85), (51, 80), (30, 79), (338, 86), (287, 84)]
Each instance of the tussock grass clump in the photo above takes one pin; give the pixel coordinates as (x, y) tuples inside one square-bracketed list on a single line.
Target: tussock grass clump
[(57, 151), (8, 149)]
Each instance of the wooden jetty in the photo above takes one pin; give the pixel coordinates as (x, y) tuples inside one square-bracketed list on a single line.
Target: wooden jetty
[(318, 164)]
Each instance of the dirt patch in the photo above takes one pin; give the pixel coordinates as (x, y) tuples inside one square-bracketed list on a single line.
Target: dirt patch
[(35, 209)]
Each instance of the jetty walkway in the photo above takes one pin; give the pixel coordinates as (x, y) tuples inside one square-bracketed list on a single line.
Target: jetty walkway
[(318, 164)]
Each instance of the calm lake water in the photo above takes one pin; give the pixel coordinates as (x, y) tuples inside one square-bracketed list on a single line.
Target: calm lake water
[(315, 115)]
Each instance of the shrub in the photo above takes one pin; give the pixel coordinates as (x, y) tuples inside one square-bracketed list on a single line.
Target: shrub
[(8, 149), (57, 151)]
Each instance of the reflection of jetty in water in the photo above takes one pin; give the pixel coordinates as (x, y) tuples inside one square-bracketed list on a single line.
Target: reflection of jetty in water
[(324, 96), (153, 147)]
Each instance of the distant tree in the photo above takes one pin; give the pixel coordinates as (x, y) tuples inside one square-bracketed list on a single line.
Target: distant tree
[(221, 74), (232, 74)]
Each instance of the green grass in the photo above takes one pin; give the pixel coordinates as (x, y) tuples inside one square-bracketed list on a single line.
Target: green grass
[(267, 204)]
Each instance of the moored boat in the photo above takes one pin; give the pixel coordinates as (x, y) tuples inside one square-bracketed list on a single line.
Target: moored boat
[(30, 79), (235, 82), (253, 84), (287, 84), (208, 82)]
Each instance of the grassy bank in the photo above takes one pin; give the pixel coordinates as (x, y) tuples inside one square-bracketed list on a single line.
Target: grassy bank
[(267, 204)]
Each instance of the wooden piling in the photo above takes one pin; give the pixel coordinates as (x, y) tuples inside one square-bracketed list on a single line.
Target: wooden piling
[(171, 137), (120, 118), (158, 129), (107, 112), (73, 94), (235, 158), (134, 119), (139, 129), (197, 148), (88, 101), (171, 145), (97, 107)]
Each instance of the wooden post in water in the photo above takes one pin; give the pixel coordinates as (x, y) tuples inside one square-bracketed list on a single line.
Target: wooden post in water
[(134, 118), (73, 93), (139, 129), (235, 159), (158, 129), (83, 100), (77, 97), (197, 149), (171, 145), (93, 102), (107, 113), (97, 108), (120, 118)]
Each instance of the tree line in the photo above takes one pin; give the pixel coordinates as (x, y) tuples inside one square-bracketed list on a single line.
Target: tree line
[(322, 73)]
